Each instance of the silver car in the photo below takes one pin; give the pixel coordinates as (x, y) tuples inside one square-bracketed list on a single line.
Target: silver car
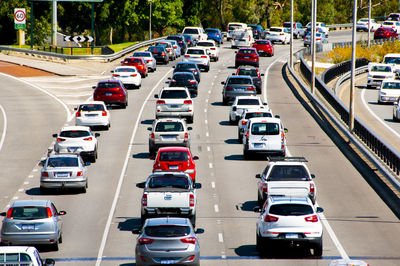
[(167, 241), (64, 171), (30, 222), (148, 58), (237, 86), (177, 48), (168, 132)]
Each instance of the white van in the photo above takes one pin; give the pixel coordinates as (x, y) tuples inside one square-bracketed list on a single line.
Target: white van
[(389, 91), (22, 256), (264, 135), (242, 38), (232, 26)]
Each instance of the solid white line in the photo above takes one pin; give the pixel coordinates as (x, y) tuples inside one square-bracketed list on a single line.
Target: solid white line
[(220, 238), (30, 176), (208, 148), (206, 122), (207, 100), (266, 78), (3, 134), (207, 134), (216, 209), (121, 177), (210, 165), (376, 116), (213, 184), (35, 170), (209, 91), (205, 110)]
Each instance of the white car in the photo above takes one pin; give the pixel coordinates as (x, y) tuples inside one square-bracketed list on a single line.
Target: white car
[(396, 110), (77, 140), (148, 58), (394, 60), (241, 103), (389, 91), (377, 73), (250, 113), (128, 75), (362, 25), (232, 26), (264, 135), (392, 24), (212, 48), (197, 33), (174, 102), (198, 55), (321, 25), (177, 48), (242, 38), (23, 255), (289, 220), (92, 114), (278, 34)]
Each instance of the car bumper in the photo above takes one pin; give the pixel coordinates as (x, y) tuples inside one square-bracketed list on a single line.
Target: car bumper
[(282, 240), (232, 95), (64, 183), (174, 114), (110, 100), (130, 81), (29, 239), (387, 99), (247, 62), (91, 122), (148, 257)]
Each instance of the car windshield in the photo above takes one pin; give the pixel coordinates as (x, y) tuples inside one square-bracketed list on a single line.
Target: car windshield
[(381, 69), (62, 162), (248, 72), (391, 60), (195, 51), (191, 31), (169, 126), (247, 51), (172, 156), (288, 173), (265, 129), (126, 69), (169, 181), (257, 114), (143, 54), (75, 133), (29, 213), (91, 107), (239, 81), (205, 44), (108, 85), (167, 231), (164, 44), (212, 31), (248, 102), (235, 26), (174, 94), (391, 85), (291, 209)]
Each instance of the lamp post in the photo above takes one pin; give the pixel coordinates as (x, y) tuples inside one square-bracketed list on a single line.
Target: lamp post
[(150, 1)]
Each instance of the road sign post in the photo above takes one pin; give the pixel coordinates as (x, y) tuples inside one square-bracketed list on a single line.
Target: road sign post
[(20, 24)]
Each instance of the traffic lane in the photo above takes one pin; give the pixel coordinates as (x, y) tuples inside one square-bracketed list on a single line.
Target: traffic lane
[(31, 117), (358, 224)]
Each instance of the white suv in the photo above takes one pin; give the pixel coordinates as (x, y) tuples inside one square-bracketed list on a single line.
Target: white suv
[(287, 220), (246, 115), (377, 73), (174, 102), (198, 55), (241, 103), (212, 48), (264, 136)]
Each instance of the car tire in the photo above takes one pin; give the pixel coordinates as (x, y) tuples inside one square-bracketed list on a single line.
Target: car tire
[(395, 118), (143, 219), (236, 65), (261, 245), (189, 119), (318, 248), (54, 247), (193, 220), (43, 191), (231, 122), (207, 68), (369, 87), (246, 155), (60, 240), (240, 139), (224, 101)]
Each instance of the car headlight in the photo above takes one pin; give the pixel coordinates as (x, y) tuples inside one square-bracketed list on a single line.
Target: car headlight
[(382, 93)]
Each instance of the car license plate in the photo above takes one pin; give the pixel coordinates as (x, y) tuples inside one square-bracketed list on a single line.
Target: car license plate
[(258, 145), (291, 235), (246, 57), (28, 227), (91, 115), (167, 261), (108, 93), (63, 174), (168, 137), (174, 106), (173, 167), (260, 51)]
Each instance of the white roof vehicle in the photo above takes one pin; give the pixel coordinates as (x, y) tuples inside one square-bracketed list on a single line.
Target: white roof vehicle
[(22, 256), (320, 25), (278, 34), (128, 75), (389, 91), (394, 60), (378, 72), (241, 103), (250, 113), (212, 48), (198, 55), (242, 38), (362, 25), (92, 114), (78, 140), (232, 26), (174, 102), (148, 58), (289, 220), (197, 33), (392, 24)]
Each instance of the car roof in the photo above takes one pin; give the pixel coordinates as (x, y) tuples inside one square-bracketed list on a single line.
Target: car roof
[(37, 202), (175, 88), (58, 155), (267, 119), (93, 102), (167, 221), (247, 48), (183, 73), (109, 81), (392, 55), (169, 120), (68, 128), (248, 67), (173, 148), (248, 97), (239, 76), (133, 67), (177, 173), (289, 199), (16, 249)]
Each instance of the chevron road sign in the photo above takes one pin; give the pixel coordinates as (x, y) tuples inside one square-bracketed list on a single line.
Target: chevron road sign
[(79, 38)]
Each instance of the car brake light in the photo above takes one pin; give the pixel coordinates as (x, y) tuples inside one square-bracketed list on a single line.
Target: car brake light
[(79, 173), (175, 46), (189, 240), (192, 81), (187, 102), (228, 88), (144, 200), (318, 39), (212, 48), (115, 75), (162, 54), (145, 240), (282, 34), (191, 258), (133, 75), (250, 88), (312, 188), (60, 139), (78, 114), (270, 219), (45, 174), (186, 135), (88, 139), (152, 136), (186, 55), (244, 122), (191, 200), (160, 102), (9, 213), (104, 113), (203, 56), (313, 218), (49, 212), (265, 188)]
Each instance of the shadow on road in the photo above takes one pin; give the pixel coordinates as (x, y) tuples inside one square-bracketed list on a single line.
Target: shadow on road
[(217, 104), (248, 206), (231, 141), (277, 252), (142, 155), (224, 123), (129, 224), (147, 122), (234, 157)]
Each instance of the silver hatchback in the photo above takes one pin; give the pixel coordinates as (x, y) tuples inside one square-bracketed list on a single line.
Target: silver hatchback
[(237, 86), (167, 241), (168, 132), (30, 222)]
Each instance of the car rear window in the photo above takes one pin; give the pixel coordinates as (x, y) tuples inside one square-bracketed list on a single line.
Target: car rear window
[(195, 51), (275, 29), (136, 60), (257, 114), (184, 66), (205, 44), (391, 85), (144, 54), (174, 94), (263, 42), (74, 133), (265, 129), (248, 72), (29, 213), (191, 31), (291, 209), (169, 181), (234, 81), (169, 126), (288, 173), (62, 162), (248, 102), (91, 107), (183, 76), (108, 85), (211, 31), (171, 156), (158, 49), (235, 26), (121, 69), (167, 231), (392, 60), (381, 69), (247, 51)]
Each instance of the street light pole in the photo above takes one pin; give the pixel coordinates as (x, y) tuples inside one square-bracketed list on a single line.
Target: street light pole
[(353, 66), (369, 22), (291, 34), (313, 22), (150, 20)]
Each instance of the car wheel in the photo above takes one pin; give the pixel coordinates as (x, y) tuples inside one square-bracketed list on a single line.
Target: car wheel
[(240, 140), (44, 191), (60, 240), (193, 220), (394, 118), (94, 157), (369, 87), (231, 122), (190, 119), (260, 244), (54, 247), (246, 155), (224, 101), (207, 68), (143, 218), (318, 248), (259, 199)]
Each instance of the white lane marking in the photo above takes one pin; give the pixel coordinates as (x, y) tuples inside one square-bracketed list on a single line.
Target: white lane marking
[(30, 176), (220, 238), (207, 100), (123, 172), (213, 184), (207, 134), (208, 148), (26, 183), (216, 209), (206, 122), (209, 91), (266, 78), (3, 134), (205, 110), (75, 95), (20, 190), (210, 165), (34, 170), (15, 198), (376, 116), (44, 91)]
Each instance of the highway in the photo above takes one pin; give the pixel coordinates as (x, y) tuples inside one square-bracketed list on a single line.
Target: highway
[(97, 226)]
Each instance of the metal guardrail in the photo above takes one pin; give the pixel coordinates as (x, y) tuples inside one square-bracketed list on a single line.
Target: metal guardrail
[(108, 58), (346, 76), (341, 68)]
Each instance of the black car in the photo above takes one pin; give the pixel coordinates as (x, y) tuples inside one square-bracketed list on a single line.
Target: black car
[(258, 31), (159, 53), (254, 73), (188, 67), (189, 40), (180, 40), (185, 79)]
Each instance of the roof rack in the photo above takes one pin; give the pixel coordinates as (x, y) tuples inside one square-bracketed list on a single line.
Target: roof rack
[(287, 159)]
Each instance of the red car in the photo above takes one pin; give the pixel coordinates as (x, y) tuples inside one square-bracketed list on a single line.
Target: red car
[(246, 56), (264, 47), (137, 62), (385, 33), (175, 159), (111, 92)]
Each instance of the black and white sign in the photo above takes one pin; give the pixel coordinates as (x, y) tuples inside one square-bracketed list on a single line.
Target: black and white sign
[(79, 38)]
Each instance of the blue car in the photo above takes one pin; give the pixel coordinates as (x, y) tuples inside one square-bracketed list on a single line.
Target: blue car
[(216, 35)]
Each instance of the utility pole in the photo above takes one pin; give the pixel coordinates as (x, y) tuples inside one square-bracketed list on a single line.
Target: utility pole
[(150, 1), (369, 22), (313, 50), (291, 34), (54, 24), (353, 66)]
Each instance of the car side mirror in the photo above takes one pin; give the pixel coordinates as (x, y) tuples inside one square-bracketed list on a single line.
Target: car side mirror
[(112, 71), (235, 52), (197, 185), (257, 209), (189, 128), (54, 135), (149, 128), (49, 262), (199, 231), (258, 176), (223, 82), (312, 176), (87, 163), (285, 130), (319, 210), (233, 74), (262, 75), (97, 135), (136, 231), (156, 96), (195, 157), (62, 213), (277, 116), (93, 87), (42, 162), (141, 185)]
